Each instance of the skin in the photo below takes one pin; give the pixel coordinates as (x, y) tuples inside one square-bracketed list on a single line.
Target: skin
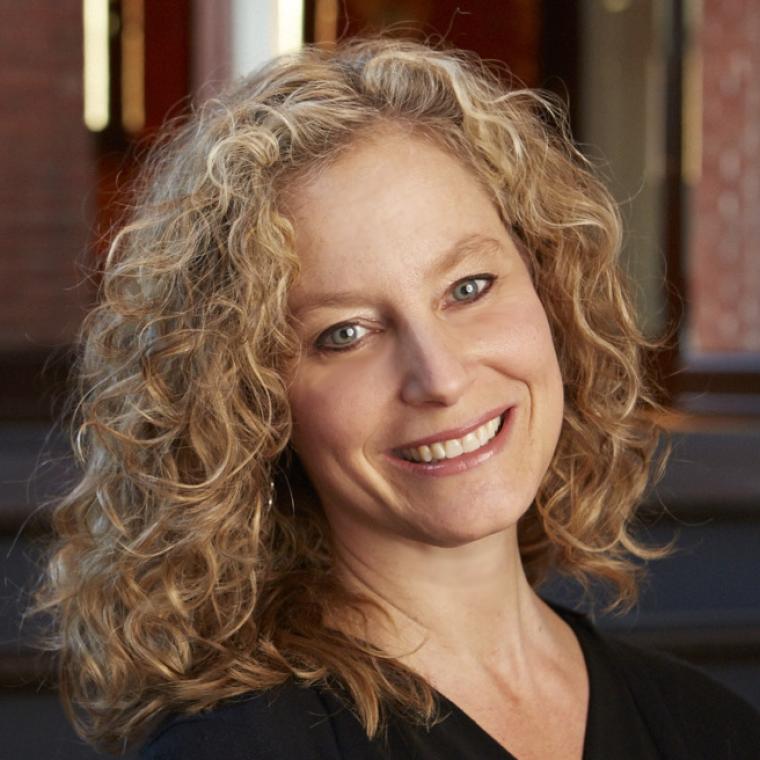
[(439, 554)]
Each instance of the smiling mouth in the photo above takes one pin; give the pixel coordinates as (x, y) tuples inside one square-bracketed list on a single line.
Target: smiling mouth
[(452, 448)]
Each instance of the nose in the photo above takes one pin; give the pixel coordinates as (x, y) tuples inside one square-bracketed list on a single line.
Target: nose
[(434, 364)]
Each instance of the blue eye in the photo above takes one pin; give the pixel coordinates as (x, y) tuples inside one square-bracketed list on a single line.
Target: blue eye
[(340, 337), (469, 290)]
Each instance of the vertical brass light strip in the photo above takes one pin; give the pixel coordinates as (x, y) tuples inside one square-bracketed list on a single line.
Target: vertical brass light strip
[(97, 85), (133, 65), (692, 94), (326, 22)]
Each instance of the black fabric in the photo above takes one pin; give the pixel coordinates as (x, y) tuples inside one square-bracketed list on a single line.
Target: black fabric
[(642, 705)]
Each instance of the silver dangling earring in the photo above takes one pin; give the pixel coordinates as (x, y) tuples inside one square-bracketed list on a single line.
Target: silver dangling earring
[(270, 500)]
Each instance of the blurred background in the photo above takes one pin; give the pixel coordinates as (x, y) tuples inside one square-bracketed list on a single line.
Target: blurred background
[(664, 96)]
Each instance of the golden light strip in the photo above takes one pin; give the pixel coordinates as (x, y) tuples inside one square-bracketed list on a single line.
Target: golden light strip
[(326, 22), (693, 82), (132, 65), (95, 18)]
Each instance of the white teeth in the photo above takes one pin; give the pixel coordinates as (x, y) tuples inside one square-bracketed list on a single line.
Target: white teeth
[(438, 451), (453, 448), (471, 442), (456, 446)]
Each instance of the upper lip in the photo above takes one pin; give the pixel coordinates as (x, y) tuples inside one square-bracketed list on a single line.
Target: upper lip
[(458, 432)]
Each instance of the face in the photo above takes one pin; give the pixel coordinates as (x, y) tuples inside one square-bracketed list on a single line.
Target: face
[(424, 339)]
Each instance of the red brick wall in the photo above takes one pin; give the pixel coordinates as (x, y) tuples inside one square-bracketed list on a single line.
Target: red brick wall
[(724, 277), (46, 170)]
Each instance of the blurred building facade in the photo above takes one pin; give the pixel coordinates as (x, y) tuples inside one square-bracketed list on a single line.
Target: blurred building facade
[(663, 96)]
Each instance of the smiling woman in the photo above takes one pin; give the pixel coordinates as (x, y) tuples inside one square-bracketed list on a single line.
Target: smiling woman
[(437, 342), (362, 375)]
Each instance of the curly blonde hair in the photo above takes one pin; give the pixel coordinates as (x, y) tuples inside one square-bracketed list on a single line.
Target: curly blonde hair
[(175, 581)]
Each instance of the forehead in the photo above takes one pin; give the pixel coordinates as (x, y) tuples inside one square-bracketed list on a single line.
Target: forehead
[(390, 205)]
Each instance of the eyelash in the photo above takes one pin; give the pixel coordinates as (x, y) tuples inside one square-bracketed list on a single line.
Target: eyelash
[(489, 278)]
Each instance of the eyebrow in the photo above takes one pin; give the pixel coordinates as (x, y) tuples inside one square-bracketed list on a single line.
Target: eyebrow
[(465, 248)]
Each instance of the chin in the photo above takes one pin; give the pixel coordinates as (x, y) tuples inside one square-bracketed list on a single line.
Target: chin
[(471, 528)]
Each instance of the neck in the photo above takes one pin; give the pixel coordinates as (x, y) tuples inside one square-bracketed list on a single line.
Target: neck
[(470, 604)]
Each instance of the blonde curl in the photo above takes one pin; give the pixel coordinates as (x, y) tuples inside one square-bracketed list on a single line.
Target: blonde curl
[(174, 582)]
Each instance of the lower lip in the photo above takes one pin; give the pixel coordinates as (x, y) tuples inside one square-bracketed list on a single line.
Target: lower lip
[(465, 461)]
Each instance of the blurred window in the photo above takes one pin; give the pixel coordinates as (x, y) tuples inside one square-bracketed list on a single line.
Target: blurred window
[(670, 109), (722, 172)]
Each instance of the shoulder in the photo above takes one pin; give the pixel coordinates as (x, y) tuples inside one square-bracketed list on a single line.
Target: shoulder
[(687, 710), (287, 721), (688, 691)]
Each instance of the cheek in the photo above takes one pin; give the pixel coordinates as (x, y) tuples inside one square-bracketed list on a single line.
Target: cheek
[(331, 411), (519, 333), (526, 351), (549, 378)]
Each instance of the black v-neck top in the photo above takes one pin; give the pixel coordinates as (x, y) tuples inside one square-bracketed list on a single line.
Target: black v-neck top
[(642, 705)]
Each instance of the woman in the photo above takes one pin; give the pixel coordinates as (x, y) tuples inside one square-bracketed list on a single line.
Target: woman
[(363, 373)]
